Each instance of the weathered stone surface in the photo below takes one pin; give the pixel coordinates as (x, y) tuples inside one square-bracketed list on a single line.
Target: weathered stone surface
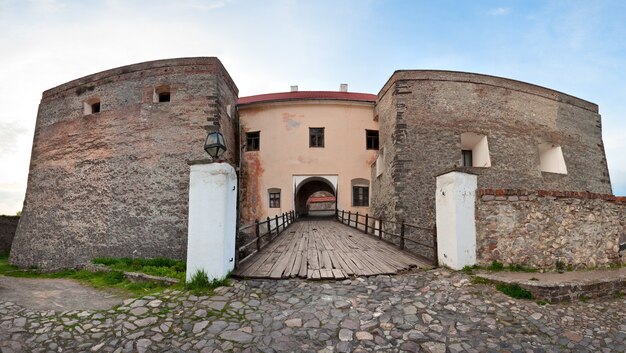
[(576, 232), (485, 320), (8, 226), (120, 174), (422, 114)]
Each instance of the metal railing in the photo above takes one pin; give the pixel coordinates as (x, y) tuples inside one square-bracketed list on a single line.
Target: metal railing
[(260, 234), (420, 241)]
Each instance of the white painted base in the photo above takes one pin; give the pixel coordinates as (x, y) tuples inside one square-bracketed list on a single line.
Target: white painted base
[(456, 225), (212, 220)]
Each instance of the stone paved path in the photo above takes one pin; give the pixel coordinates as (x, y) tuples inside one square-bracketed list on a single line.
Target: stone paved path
[(434, 311)]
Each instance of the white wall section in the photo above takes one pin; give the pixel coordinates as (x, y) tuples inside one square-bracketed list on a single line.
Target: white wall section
[(456, 225), (212, 219)]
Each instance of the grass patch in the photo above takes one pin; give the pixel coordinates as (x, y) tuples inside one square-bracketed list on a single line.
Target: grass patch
[(480, 280), (495, 266), (470, 269), (514, 291), (156, 267), (200, 283), (114, 279)]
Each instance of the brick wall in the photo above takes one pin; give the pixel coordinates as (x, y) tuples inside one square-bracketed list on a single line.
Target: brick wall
[(115, 183), (422, 115), (8, 225), (539, 228)]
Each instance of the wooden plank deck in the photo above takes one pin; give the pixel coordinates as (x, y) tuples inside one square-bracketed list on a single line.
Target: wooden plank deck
[(326, 249)]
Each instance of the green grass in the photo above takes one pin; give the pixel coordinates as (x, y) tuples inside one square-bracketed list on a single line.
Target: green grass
[(114, 279), (200, 283), (514, 291), (156, 267)]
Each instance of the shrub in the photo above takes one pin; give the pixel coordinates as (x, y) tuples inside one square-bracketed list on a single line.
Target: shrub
[(514, 291), (496, 266), (200, 282)]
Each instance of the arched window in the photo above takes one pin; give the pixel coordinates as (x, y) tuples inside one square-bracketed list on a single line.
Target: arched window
[(360, 192)]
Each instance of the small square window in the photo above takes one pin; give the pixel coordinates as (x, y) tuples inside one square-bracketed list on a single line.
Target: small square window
[(274, 199), (253, 141), (316, 137), (91, 106), (162, 94), (360, 196), (164, 97), (371, 139)]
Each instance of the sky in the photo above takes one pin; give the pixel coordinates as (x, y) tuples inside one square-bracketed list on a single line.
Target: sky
[(577, 47)]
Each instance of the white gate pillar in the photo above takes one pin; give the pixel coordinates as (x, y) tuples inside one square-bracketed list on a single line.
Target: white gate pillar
[(212, 219), (456, 225)]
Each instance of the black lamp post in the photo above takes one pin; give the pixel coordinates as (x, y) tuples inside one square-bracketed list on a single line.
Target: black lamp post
[(214, 144)]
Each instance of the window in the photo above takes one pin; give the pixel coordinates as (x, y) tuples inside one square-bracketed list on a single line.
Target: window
[(316, 137), (551, 159), (274, 197), (162, 94), (475, 150), (360, 192), (467, 158), (253, 140), (371, 139), (360, 196), (164, 97), (91, 106)]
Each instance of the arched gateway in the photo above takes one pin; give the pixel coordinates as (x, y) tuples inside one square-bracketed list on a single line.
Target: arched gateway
[(306, 186)]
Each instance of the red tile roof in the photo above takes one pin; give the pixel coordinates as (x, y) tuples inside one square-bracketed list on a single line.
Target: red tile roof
[(321, 199), (306, 95)]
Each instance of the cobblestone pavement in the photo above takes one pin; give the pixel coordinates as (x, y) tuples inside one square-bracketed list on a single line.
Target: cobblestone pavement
[(434, 311)]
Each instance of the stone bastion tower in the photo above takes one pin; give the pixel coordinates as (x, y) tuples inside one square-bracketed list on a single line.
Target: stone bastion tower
[(514, 135), (108, 172)]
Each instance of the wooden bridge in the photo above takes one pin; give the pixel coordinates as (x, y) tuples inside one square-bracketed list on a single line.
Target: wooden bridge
[(326, 249)]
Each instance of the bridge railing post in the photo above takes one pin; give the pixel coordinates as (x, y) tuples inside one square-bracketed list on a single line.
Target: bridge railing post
[(277, 226), (380, 228), (284, 226), (342, 215), (356, 221), (257, 233), (269, 229), (349, 218), (367, 218)]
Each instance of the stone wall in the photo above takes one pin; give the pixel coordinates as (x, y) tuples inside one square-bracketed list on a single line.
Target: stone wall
[(8, 225), (115, 183), (537, 229), (422, 115)]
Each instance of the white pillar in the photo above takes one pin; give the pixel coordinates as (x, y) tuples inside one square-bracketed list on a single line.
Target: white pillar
[(456, 225), (212, 219)]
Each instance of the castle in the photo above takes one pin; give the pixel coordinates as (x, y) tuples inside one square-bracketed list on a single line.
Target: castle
[(109, 172)]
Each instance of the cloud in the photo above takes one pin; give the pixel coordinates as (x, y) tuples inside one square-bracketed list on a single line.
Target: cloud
[(500, 11), (10, 134), (46, 6)]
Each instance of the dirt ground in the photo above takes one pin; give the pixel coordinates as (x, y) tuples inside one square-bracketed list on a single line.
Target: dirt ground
[(55, 294)]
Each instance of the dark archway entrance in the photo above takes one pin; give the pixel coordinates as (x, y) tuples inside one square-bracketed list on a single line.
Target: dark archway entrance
[(306, 189)]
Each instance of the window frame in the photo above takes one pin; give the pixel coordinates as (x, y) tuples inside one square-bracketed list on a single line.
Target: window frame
[(274, 201), (465, 158), (360, 199), (374, 139), (252, 138), (317, 137)]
